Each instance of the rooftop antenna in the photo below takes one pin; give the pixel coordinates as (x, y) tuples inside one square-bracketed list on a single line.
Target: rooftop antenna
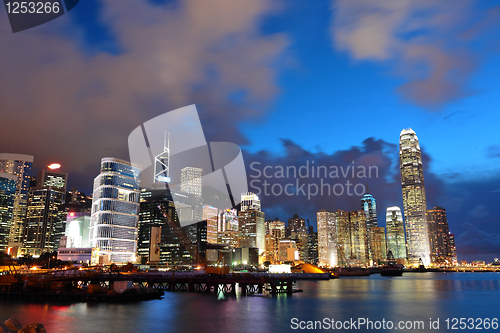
[(162, 162)]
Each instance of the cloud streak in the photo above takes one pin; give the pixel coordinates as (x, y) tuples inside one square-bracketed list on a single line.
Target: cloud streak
[(80, 106), (428, 44)]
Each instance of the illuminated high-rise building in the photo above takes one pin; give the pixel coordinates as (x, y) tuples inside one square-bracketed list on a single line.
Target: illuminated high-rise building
[(276, 229), (252, 229), (7, 197), (20, 166), (191, 181), (439, 235), (378, 244), (115, 211), (453, 249), (395, 233), (45, 222), (369, 206), (414, 201), (327, 238), (250, 200), (358, 238), (211, 215)]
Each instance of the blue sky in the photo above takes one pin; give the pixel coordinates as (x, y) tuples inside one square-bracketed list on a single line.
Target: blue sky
[(287, 80)]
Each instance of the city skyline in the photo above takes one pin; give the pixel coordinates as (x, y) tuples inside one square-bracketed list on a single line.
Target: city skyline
[(309, 81)]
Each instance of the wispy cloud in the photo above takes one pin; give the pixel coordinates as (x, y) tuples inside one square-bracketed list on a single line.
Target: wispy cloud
[(429, 44)]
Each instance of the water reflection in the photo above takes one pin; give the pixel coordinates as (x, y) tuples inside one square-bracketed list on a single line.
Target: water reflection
[(411, 297)]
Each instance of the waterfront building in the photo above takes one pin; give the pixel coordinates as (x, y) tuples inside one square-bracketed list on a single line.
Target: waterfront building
[(327, 238), (312, 246), (358, 238), (395, 233), (20, 166), (414, 200), (287, 251), (228, 238), (378, 245), (276, 229), (211, 215), (8, 184), (369, 206), (249, 201), (252, 229), (191, 181), (115, 211), (439, 235), (45, 220), (453, 249)]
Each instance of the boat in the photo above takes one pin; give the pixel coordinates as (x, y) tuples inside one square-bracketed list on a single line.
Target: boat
[(391, 268)]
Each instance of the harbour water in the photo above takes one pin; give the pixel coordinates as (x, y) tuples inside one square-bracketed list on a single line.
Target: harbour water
[(412, 299)]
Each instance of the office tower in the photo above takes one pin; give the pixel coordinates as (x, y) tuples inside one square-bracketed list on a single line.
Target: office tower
[(77, 233), (191, 181), (8, 184), (312, 246), (115, 211), (412, 182), (249, 201), (252, 229), (358, 238), (439, 235), (378, 245), (327, 238), (228, 238), (395, 233), (453, 249), (45, 222), (369, 206), (296, 230), (276, 229), (19, 166), (151, 218), (287, 251), (270, 253), (211, 215), (341, 220)]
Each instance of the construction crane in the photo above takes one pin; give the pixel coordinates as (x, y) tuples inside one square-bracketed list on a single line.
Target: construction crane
[(220, 267)]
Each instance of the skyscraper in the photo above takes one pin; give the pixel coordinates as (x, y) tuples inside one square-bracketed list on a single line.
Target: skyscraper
[(358, 238), (7, 198), (378, 244), (115, 209), (395, 233), (19, 166), (250, 200), (412, 182), (439, 235), (191, 181), (45, 223), (369, 206), (327, 238)]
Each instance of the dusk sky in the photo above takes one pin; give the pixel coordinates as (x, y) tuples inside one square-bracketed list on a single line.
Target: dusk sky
[(289, 81)]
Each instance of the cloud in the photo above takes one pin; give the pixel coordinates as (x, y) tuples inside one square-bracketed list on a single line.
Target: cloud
[(432, 45), (476, 241), (62, 103), (383, 182), (493, 151)]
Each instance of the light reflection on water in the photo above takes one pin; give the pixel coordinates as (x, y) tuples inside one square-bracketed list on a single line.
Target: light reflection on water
[(417, 296)]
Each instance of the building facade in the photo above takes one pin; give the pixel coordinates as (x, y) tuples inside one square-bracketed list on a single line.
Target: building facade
[(45, 221), (115, 211), (439, 235), (20, 166), (369, 206), (395, 233), (378, 245), (414, 200), (327, 238), (7, 198)]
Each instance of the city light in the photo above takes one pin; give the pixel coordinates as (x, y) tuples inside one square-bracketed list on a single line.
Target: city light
[(54, 166)]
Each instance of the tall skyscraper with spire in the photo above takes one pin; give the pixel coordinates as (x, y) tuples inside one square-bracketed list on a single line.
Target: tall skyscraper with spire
[(369, 206), (414, 202)]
